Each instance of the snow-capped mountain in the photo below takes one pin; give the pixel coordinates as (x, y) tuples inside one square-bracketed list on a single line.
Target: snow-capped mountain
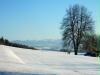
[(42, 44)]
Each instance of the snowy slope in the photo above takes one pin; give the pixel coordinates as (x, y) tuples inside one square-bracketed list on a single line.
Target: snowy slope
[(17, 61)]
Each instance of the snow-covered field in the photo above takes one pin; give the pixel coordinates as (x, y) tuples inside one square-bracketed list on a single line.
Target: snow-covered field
[(17, 61)]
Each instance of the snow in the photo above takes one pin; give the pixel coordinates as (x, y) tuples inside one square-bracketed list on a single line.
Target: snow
[(17, 61)]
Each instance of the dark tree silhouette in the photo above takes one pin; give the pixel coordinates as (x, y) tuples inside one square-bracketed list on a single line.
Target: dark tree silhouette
[(76, 24), (2, 40)]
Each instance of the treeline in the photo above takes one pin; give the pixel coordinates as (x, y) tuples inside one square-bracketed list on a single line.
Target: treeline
[(8, 43)]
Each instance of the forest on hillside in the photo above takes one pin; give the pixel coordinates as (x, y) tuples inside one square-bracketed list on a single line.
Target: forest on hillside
[(8, 43)]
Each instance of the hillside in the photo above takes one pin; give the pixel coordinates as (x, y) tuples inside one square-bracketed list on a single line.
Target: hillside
[(18, 61)]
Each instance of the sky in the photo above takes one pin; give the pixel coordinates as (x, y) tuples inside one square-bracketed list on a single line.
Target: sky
[(38, 19)]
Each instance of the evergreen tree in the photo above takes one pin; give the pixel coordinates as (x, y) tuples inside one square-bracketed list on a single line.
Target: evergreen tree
[(2, 40)]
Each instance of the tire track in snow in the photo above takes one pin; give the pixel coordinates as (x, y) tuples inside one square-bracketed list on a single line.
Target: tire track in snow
[(11, 54)]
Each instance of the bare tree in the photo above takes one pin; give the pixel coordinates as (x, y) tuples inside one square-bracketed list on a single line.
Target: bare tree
[(90, 44), (76, 24)]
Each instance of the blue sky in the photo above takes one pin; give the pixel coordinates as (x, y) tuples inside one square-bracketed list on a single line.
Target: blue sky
[(38, 19)]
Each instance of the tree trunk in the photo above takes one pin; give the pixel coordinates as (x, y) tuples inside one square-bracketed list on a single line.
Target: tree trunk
[(76, 50)]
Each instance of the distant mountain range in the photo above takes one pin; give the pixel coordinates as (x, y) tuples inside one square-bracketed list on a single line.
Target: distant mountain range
[(42, 44)]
